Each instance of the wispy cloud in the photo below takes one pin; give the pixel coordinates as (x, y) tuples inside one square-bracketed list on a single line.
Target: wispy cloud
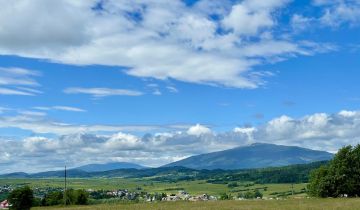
[(32, 113), (8, 91), (61, 108), (18, 81), (68, 108), (172, 89), (102, 92), (37, 122)]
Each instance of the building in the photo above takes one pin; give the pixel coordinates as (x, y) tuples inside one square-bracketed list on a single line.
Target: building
[(4, 204)]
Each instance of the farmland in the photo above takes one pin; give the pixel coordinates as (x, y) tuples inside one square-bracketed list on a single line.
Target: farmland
[(192, 187)]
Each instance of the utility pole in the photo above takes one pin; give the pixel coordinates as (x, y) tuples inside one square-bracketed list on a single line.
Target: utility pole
[(65, 187)]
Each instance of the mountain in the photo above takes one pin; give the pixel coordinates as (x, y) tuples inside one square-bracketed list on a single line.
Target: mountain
[(286, 174), (15, 175), (258, 155), (108, 166)]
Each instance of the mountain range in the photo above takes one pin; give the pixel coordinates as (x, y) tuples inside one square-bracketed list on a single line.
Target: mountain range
[(258, 155), (109, 166), (254, 156)]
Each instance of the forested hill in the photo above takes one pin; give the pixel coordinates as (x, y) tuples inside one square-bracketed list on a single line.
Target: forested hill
[(287, 174)]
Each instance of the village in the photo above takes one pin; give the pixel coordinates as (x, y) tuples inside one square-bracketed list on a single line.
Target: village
[(121, 195)]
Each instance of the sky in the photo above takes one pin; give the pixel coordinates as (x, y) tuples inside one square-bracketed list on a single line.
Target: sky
[(155, 81)]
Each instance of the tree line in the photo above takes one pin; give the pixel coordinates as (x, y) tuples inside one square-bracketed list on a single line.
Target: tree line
[(23, 198)]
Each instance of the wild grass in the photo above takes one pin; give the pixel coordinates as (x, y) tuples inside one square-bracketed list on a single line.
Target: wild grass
[(290, 204)]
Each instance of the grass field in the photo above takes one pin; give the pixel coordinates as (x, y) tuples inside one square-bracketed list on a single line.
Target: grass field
[(192, 187), (290, 204)]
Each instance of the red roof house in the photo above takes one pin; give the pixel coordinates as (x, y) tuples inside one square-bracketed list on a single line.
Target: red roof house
[(4, 204)]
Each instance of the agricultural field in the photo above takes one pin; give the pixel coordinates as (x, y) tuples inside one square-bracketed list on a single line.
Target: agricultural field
[(289, 204), (192, 187)]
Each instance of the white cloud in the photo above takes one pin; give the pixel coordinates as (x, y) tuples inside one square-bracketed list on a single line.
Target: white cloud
[(4, 109), (198, 130), (37, 122), (69, 108), (317, 131), (338, 12), (61, 108), (32, 113), (172, 89), (8, 91), (157, 92), (247, 22), (18, 81), (102, 92), (157, 39), (300, 22)]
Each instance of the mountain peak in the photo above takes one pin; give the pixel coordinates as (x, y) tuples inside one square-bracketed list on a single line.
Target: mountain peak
[(257, 155)]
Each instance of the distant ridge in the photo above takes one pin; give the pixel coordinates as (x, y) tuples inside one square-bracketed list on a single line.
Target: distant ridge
[(258, 155), (109, 166)]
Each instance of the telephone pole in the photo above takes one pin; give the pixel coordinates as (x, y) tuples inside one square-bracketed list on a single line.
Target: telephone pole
[(65, 187)]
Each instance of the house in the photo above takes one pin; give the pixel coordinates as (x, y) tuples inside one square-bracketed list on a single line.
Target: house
[(4, 204), (172, 198)]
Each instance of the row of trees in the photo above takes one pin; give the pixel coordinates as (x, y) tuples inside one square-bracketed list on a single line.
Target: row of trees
[(339, 178), (23, 198), (247, 195)]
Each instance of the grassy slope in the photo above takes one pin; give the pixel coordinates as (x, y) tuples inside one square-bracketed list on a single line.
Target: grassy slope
[(292, 204)]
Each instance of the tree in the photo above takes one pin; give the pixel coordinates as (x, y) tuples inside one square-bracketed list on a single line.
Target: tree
[(258, 194), (340, 177), (233, 185), (53, 198), (21, 198), (81, 197)]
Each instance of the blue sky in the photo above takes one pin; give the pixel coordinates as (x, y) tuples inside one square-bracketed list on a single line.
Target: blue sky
[(199, 70)]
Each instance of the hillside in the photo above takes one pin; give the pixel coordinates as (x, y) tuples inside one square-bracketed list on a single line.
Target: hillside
[(285, 174), (257, 155), (108, 166)]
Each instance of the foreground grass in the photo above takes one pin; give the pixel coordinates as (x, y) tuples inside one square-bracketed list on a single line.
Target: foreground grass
[(291, 204)]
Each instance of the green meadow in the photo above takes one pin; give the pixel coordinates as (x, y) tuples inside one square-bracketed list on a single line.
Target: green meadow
[(193, 187)]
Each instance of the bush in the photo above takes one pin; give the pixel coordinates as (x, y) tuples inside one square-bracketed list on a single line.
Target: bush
[(21, 198), (251, 195), (224, 196)]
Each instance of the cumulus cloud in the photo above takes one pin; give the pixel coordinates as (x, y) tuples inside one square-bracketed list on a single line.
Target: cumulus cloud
[(317, 131), (251, 16), (157, 39), (198, 130)]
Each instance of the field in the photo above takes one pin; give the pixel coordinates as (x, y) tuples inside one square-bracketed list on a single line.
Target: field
[(287, 201), (193, 187), (290, 204)]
